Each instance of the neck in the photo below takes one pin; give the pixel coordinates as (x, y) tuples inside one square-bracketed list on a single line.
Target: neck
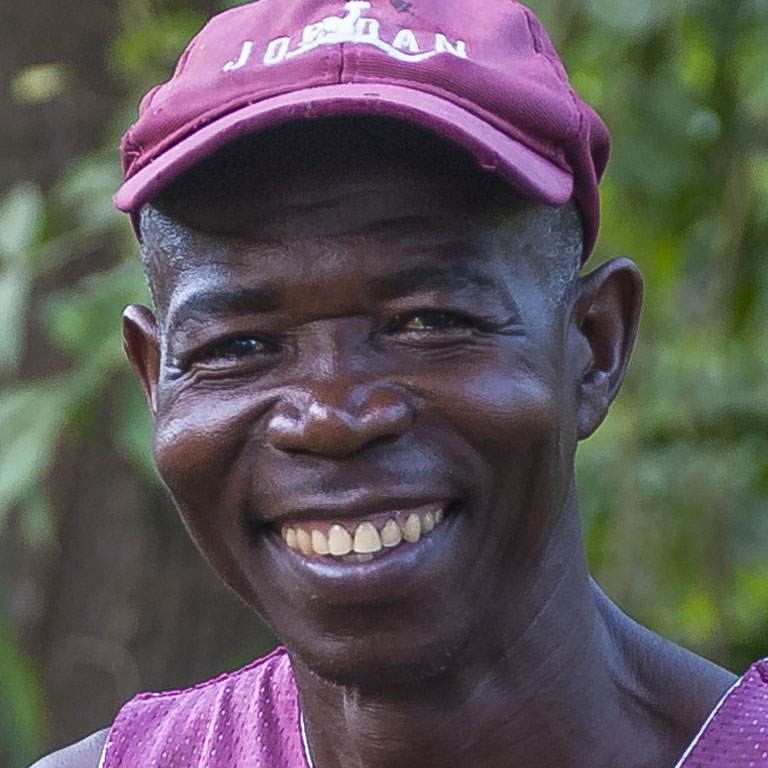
[(537, 689)]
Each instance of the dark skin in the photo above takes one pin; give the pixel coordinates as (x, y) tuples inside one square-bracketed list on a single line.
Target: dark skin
[(354, 339)]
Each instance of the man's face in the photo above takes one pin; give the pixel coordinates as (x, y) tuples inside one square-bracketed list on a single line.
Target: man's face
[(361, 348)]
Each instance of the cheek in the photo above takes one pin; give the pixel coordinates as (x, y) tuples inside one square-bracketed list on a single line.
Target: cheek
[(198, 441), (501, 407), (515, 426), (515, 417)]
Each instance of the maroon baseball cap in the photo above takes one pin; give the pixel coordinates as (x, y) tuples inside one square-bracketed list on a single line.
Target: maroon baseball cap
[(482, 74)]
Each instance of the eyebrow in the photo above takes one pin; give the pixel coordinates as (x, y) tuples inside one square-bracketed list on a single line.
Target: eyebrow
[(454, 276), (224, 303)]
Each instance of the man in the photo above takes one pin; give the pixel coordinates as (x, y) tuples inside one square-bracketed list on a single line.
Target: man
[(369, 365)]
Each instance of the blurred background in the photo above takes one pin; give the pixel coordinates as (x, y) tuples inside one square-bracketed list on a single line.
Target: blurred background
[(101, 594)]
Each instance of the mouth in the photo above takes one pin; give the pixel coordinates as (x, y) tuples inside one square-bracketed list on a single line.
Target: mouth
[(366, 538)]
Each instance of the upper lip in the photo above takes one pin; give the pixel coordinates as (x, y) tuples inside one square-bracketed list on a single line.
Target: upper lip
[(346, 508)]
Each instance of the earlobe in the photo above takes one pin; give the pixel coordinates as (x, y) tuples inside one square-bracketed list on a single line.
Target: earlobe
[(606, 316), (142, 346)]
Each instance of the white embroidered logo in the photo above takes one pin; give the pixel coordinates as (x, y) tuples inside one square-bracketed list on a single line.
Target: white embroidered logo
[(353, 28)]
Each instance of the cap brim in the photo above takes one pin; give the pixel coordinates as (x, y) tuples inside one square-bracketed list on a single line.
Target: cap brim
[(532, 174)]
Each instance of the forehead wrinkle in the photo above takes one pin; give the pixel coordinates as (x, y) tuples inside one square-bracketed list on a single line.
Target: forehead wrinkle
[(410, 229)]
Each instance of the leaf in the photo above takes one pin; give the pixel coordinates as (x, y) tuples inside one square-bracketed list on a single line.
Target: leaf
[(31, 422), (86, 190), (40, 83), (15, 289), (632, 17), (148, 52), (38, 527), (80, 321), (22, 221), (133, 427)]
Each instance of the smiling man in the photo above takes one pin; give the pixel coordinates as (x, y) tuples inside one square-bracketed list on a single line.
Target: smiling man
[(370, 362)]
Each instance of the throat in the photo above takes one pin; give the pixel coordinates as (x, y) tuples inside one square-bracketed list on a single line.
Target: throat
[(541, 696)]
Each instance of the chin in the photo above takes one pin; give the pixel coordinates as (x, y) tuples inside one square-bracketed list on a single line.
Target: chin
[(367, 663)]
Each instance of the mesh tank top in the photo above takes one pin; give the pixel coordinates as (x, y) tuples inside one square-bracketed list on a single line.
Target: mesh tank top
[(736, 733), (251, 719)]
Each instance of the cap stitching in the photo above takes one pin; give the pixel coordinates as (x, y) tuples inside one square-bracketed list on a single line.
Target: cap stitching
[(538, 47), (149, 98), (131, 151), (182, 63), (342, 63), (559, 72), (351, 61)]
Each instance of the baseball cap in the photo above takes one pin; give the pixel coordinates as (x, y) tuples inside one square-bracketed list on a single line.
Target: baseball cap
[(483, 75)]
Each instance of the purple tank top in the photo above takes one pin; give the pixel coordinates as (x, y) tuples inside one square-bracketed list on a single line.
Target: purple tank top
[(736, 733), (248, 718), (251, 719)]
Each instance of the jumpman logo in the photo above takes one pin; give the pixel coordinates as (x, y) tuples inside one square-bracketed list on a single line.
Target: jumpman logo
[(356, 29)]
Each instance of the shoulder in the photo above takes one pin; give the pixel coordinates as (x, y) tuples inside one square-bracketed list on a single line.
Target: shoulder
[(84, 754)]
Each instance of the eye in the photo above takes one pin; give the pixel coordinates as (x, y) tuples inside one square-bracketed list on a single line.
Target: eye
[(231, 351), (239, 347), (432, 321)]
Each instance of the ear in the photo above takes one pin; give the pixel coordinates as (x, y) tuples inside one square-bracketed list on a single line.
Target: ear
[(606, 316), (141, 342)]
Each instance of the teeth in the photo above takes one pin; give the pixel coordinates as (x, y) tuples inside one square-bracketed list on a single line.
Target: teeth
[(367, 539), (391, 535), (357, 558), (412, 528), (319, 543), (339, 541), (305, 541)]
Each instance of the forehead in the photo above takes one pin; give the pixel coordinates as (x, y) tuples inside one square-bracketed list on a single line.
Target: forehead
[(344, 236)]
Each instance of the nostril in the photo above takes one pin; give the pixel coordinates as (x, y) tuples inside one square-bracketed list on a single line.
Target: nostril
[(390, 418)]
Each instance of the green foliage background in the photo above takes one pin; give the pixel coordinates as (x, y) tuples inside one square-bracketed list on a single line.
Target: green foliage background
[(673, 486)]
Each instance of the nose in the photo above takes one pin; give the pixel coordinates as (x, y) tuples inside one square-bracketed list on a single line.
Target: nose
[(331, 420)]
